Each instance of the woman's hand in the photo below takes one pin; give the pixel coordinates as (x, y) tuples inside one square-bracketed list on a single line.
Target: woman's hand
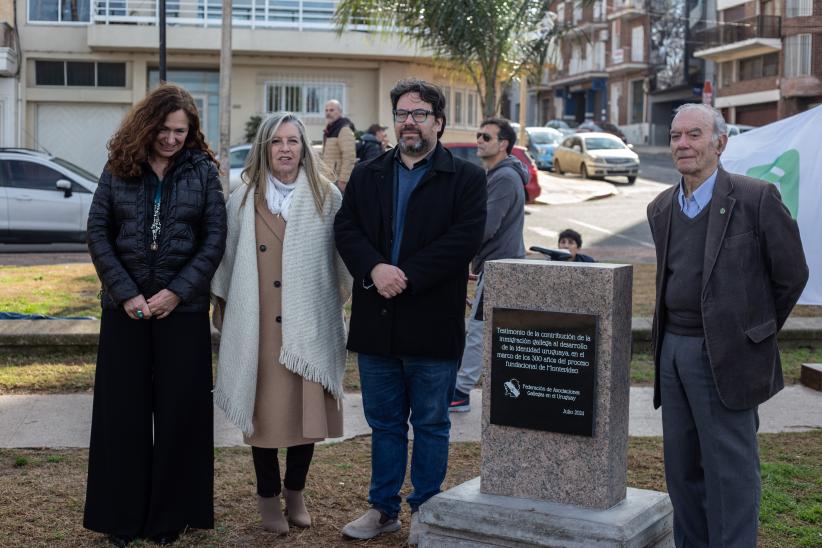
[(135, 304), (163, 303)]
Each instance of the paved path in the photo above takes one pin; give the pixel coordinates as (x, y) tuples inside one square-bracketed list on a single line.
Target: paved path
[(65, 420)]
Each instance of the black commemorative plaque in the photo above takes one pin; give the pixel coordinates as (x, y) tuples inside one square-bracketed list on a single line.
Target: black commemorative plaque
[(543, 370)]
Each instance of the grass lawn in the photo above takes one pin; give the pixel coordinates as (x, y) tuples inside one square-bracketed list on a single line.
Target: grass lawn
[(71, 290), (52, 482), (54, 372), (56, 290)]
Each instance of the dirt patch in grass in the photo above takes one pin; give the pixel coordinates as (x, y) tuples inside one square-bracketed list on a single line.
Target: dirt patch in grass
[(42, 493), (55, 290)]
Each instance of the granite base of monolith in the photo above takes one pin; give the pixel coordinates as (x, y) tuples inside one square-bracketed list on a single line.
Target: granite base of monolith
[(466, 518)]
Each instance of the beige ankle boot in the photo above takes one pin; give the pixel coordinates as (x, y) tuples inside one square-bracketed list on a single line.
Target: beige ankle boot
[(271, 514), (295, 508)]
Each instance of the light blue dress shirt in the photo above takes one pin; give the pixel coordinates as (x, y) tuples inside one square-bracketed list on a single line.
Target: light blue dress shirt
[(700, 199)]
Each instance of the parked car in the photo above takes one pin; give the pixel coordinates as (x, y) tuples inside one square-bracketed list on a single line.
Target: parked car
[(736, 129), (541, 142), (596, 155), (236, 160), (43, 199), (560, 125), (468, 151), (613, 129), (588, 125)]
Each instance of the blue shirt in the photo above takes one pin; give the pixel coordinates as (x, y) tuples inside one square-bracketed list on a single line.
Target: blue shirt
[(700, 198), (405, 181)]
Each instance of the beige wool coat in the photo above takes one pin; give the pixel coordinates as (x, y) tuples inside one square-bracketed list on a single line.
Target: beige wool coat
[(288, 409)]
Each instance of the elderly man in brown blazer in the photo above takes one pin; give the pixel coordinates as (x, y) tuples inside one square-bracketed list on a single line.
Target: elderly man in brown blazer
[(730, 268)]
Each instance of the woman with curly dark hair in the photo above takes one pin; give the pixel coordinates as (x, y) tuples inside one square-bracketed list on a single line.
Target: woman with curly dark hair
[(156, 234)]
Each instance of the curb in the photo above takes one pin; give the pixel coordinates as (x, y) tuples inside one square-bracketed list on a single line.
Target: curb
[(83, 334)]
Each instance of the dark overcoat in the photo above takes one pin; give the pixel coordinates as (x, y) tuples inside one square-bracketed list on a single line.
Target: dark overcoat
[(753, 272), (443, 230)]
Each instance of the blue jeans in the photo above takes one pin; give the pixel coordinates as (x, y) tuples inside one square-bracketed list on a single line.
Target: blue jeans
[(392, 389)]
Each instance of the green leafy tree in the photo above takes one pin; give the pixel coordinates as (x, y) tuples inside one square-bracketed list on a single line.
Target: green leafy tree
[(490, 40)]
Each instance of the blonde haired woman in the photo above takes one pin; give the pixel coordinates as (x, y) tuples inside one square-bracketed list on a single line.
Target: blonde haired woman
[(280, 290)]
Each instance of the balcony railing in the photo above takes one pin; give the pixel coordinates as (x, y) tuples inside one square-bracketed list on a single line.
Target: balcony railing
[(761, 26), (295, 14)]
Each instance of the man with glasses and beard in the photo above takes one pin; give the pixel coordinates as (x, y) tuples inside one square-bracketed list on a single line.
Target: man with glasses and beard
[(502, 238), (409, 225)]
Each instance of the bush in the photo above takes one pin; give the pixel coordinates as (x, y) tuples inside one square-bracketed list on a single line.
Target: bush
[(251, 127)]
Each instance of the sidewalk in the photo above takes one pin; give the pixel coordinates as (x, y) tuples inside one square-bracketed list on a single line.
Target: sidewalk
[(65, 420)]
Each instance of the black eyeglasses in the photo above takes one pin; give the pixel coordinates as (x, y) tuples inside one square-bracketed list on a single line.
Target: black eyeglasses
[(419, 115), (484, 136)]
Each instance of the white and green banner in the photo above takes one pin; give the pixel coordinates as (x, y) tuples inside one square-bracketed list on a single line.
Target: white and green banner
[(788, 153)]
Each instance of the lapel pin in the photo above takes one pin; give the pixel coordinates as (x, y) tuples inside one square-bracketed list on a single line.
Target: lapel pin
[(722, 211)]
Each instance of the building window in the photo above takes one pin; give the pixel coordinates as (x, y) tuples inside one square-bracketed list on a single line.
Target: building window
[(302, 98), (726, 70), (472, 109), (798, 8), (458, 114), (798, 55), (79, 74), (638, 44), (758, 67), (637, 101), (59, 11)]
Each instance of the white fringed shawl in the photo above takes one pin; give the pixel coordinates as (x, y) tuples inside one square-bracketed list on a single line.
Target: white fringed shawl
[(316, 283)]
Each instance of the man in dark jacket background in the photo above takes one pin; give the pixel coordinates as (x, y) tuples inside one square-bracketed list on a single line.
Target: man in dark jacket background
[(730, 267), (373, 143), (409, 225), (502, 238)]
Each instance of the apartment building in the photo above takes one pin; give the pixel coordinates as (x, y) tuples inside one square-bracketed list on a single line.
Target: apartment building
[(624, 61), (628, 67), (769, 58), (800, 85), (86, 62), (576, 85), (9, 67)]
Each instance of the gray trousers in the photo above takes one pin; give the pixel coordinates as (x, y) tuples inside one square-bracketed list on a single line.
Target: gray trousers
[(711, 453), (471, 363)]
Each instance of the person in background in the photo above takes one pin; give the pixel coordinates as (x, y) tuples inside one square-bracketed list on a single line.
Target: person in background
[(571, 241), (502, 238), (156, 233), (279, 293), (374, 142), (339, 143)]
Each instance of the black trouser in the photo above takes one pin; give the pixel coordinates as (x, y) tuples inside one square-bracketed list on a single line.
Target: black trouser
[(267, 467), (151, 457)]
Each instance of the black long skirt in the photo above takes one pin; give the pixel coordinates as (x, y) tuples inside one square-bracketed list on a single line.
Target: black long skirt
[(151, 456)]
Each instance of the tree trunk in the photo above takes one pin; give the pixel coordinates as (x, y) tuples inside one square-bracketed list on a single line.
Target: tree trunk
[(490, 96)]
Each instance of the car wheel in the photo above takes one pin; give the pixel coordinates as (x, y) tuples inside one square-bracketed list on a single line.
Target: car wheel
[(557, 168), (631, 179), (583, 171)]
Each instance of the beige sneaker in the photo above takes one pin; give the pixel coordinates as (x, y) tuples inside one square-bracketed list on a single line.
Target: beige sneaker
[(371, 524)]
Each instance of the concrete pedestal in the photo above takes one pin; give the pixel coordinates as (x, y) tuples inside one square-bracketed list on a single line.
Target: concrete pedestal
[(466, 518)]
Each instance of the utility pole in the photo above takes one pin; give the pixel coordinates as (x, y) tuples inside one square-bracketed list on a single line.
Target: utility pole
[(162, 25), (225, 97), (523, 99)]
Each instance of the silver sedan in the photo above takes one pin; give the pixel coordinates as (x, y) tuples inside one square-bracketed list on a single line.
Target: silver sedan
[(596, 155)]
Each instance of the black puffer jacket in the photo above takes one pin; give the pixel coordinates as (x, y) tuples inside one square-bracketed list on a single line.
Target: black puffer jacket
[(190, 245)]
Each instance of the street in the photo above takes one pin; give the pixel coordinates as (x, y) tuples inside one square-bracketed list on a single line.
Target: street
[(613, 228)]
